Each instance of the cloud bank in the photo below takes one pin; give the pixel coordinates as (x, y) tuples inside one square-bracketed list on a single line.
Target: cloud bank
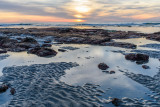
[(97, 11)]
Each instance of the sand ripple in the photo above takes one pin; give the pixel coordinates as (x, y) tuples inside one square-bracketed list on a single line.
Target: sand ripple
[(39, 86)]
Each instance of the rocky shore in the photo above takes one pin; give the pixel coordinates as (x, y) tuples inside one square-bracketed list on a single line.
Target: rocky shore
[(32, 82), (94, 36), (65, 35)]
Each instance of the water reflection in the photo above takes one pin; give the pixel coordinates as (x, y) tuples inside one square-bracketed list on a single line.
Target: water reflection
[(88, 57)]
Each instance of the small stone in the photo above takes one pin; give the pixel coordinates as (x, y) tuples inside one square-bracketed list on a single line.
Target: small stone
[(105, 71), (47, 41), (61, 50), (103, 66), (116, 101), (12, 91), (145, 67), (112, 72)]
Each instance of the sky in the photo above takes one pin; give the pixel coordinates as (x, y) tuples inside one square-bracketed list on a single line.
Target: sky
[(89, 11)]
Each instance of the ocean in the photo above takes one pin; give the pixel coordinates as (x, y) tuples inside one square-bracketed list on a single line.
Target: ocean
[(142, 27)]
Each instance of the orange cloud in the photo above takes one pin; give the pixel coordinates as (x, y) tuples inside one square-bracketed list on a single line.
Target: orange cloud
[(143, 16), (11, 17), (79, 20)]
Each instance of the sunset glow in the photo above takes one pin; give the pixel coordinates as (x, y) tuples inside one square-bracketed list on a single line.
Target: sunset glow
[(79, 20), (78, 10), (14, 17)]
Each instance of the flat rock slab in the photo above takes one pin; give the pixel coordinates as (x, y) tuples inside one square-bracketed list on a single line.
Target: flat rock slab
[(69, 48), (39, 85), (120, 44), (154, 46)]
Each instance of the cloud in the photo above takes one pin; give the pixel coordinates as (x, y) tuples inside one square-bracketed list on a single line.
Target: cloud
[(89, 10), (32, 9)]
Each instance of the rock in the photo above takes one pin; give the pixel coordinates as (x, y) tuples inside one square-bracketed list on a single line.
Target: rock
[(42, 52), (112, 72), (153, 37), (2, 51), (106, 71), (29, 40), (61, 50), (26, 45), (145, 67), (157, 33), (69, 48), (47, 41), (120, 44), (46, 45), (19, 39), (15, 46), (70, 40), (18, 49), (12, 91), (100, 41), (3, 88), (103, 66), (140, 58), (116, 102), (64, 30), (6, 42), (82, 40)]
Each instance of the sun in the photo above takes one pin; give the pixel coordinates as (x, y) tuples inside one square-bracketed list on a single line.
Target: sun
[(79, 20), (82, 9)]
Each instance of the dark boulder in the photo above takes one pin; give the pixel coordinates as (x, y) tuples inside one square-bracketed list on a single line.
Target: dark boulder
[(103, 66), (139, 58), (3, 88), (2, 51), (42, 52), (26, 44), (29, 40), (6, 42)]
